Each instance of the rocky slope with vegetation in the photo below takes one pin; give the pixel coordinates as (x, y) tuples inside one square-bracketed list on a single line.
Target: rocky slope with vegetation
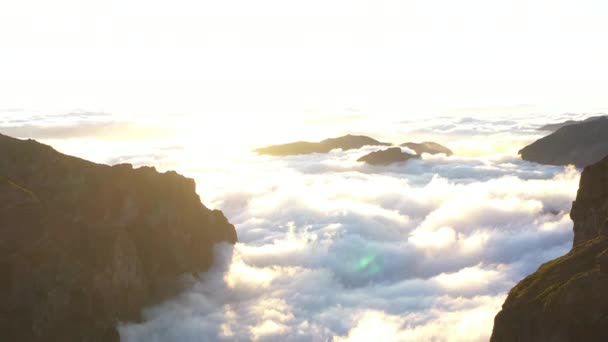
[(567, 298), (85, 246)]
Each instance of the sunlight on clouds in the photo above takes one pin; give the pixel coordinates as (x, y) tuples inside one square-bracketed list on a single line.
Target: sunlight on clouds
[(440, 238), (461, 320), (474, 242), (464, 326), (230, 316), (274, 309), (565, 224), (467, 278), (274, 314), (374, 326), (480, 145), (292, 242), (267, 328), (241, 273)]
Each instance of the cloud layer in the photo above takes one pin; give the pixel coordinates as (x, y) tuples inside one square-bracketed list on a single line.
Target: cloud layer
[(332, 249)]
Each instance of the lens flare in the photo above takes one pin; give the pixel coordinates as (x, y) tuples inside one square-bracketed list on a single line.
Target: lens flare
[(368, 264)]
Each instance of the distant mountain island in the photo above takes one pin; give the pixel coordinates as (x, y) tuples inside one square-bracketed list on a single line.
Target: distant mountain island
[(84, 246), (567, 298), (580, 144), (388, 156), (396, 155), (554, 127), (347, 142), (428, 147), (350, 142)]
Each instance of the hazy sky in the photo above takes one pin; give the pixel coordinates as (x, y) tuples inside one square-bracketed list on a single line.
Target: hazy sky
[(278, 58)]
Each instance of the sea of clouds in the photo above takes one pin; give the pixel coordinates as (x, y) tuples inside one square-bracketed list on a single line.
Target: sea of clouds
[(331, 249)]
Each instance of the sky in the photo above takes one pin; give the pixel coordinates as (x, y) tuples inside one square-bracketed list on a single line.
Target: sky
[(272, 61)]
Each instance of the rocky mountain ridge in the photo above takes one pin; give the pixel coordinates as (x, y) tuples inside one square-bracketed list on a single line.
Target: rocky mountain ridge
[(84, 246), (580, 144)]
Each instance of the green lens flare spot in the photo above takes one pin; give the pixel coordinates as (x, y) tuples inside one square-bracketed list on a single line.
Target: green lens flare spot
[(364, 262)]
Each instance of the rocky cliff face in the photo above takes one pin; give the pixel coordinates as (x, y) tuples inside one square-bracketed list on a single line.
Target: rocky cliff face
[(567, 298), (84, 246), (590, 210)]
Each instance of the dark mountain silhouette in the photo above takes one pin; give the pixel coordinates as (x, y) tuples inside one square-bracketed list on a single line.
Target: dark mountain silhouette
[(84, 246), (581, 144), (567, 298), (428, 147), (347, 142), (388, 156), (554, 127)]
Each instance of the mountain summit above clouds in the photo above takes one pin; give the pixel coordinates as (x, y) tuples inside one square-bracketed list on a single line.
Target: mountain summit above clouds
[(85, 246), (428, 147), (388, 156), (566, 299), (579, 144), (347, 142)]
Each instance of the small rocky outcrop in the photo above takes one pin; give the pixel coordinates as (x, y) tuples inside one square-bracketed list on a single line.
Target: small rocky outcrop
[(567, 298), (347, 142), (580, 144), (428, 147), (388, 156), (554, 127), (84, 246)]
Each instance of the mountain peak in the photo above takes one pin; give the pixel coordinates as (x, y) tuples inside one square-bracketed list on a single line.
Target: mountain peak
[(85, 245)]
